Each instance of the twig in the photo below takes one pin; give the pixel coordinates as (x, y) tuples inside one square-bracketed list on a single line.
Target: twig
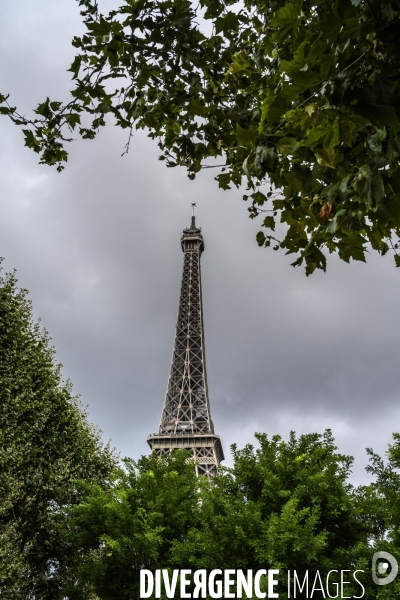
[(353, 63)]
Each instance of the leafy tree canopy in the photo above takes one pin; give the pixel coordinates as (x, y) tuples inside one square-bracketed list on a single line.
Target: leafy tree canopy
[(46, 444), (287, 505), (301, 95), (135, 525)]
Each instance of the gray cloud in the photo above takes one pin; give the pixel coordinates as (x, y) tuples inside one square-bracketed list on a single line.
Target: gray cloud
[(98, 248)]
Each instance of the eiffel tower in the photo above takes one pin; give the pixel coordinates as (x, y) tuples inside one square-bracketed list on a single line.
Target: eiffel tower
[(186, 418)]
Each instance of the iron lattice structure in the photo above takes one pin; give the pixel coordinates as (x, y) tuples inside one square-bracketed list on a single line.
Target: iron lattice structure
[(186, 418)]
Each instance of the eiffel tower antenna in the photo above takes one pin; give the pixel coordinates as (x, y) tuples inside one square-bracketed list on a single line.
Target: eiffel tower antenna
[(186, 418)]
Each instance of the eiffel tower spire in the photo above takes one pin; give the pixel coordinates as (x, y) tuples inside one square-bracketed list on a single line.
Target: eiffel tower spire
[(186, 418)]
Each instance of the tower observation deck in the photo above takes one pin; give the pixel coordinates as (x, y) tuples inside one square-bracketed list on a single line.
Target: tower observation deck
[(186, 418)]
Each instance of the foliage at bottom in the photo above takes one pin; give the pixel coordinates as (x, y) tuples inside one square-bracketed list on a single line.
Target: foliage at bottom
[(286, 505)]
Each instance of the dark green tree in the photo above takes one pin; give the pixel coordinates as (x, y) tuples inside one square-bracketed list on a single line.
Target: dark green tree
[(286, 505), (136, 524), (380, 508), (301, 95), (46, 444)]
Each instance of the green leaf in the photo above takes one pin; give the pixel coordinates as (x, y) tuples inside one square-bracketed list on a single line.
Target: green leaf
[(347, 131), (260, 237), (331, 24), (240, 63), (338, 189), (227, 23), (76, 65), (259, 198), (55, 106), (224, 179), (293, 66), (44, 110), (328, 157), (73, 119), (266, 159), (352, 246), (285, 20), (31, 141), (269, 222), (245, 137), (198, 108), (334, 224), (379, 116), (375, 238), (274, 105), (99, 28)]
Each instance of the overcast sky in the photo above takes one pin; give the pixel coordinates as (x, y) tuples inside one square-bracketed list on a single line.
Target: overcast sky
[(98, 247)]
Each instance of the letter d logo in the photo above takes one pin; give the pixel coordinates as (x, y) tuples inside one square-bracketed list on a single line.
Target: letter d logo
[(381, 568)]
